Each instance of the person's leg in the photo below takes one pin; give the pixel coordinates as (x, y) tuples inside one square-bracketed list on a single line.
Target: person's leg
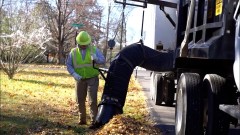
[(81, 93), (92, 97)]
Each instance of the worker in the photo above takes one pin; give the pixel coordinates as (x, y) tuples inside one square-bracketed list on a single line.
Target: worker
[(79, 65)]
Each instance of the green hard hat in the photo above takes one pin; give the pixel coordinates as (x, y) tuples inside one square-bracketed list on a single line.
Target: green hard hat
[(83, 38)]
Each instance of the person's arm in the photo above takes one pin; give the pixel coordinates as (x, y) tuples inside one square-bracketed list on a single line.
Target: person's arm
[(100, 57), (70, 68), (69, 64)]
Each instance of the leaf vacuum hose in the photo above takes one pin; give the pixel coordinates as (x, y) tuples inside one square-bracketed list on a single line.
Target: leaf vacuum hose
[(119, 73)]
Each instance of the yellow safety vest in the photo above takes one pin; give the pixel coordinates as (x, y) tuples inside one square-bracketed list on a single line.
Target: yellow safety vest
[(84, 67)]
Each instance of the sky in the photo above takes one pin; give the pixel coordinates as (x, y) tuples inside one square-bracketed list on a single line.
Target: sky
[(134, 25), (134, 20)]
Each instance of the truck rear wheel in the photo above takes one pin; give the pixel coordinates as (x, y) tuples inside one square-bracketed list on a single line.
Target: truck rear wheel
[(169, 91), (158, 93), (217, 121), (189, 110)]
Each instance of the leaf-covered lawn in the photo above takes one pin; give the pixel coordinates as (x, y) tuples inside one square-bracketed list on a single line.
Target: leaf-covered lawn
[(42, 101)]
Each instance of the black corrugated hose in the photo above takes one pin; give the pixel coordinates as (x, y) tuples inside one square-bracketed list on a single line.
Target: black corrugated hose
[(119, 73)]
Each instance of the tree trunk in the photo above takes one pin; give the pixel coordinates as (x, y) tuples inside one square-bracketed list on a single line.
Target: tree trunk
[(61, 59)]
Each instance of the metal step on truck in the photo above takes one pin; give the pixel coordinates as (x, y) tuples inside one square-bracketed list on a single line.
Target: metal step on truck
[(206, 73)]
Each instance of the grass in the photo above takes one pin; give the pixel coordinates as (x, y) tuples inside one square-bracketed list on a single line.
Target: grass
[(40, 100)]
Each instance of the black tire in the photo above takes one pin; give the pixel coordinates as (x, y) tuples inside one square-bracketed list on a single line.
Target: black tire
[(158, 95), (189, 108), (218, 122), (169, 92)]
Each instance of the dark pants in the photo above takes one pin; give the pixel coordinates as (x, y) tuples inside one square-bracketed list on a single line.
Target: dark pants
[(84, 88)]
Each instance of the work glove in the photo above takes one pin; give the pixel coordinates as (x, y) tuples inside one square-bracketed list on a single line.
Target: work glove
[(94, 57), (76, 77)]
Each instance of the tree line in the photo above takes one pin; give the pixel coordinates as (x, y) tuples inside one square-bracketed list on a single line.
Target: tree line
[(31, 30)]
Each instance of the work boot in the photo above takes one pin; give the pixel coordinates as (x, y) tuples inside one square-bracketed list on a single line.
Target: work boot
[(82, 119)]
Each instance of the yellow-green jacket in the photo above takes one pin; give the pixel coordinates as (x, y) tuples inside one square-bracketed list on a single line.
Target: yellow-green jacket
[(84, 67)]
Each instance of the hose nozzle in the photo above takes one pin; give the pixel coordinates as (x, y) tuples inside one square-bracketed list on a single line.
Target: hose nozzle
[(106, 110)]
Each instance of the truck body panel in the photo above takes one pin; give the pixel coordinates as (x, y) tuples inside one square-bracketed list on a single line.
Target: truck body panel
[(157, 35)]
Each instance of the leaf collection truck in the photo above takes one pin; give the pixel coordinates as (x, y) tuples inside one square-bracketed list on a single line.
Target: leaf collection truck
[(200, 75)]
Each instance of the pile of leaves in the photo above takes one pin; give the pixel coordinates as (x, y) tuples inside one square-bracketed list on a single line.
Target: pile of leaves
[(41, 100), (126, 125)]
